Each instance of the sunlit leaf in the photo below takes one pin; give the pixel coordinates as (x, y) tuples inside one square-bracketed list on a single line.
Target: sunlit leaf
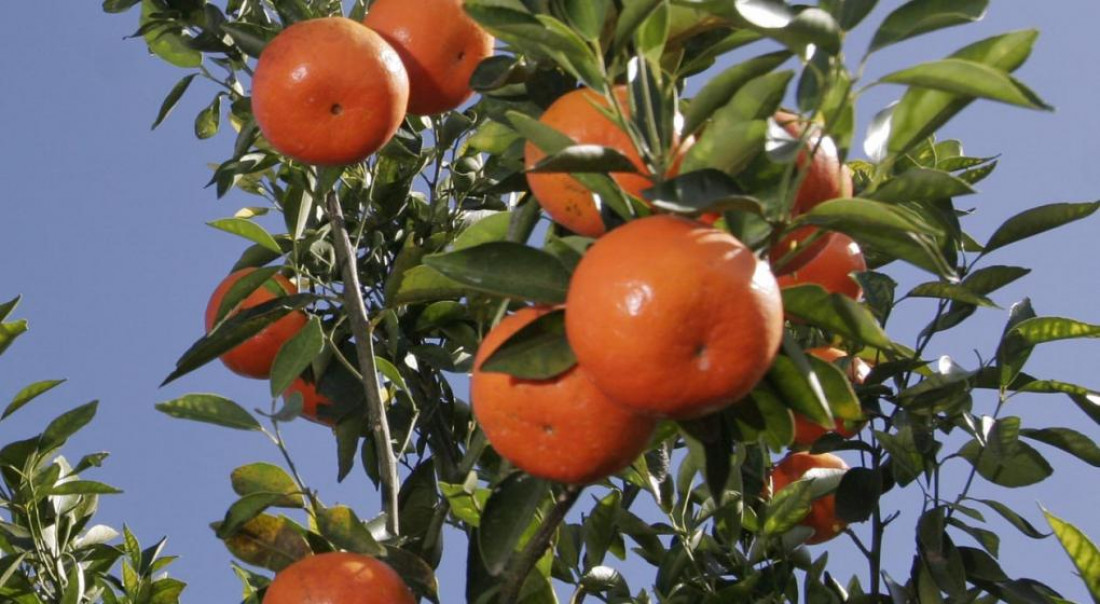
[(210, 409), (1083, 552)]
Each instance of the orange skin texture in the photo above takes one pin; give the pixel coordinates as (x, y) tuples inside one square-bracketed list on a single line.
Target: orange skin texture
[(312, 400), (826, 178), (329, 92), (440, 46), (822, 517), (673, 318), (338, 578), (806, 432), (793, 251), (253, 357), (831, 268), (564, 198), (561, 429)]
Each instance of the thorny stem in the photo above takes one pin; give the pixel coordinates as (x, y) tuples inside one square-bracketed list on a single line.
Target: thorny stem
[(364, 345), (536, 547)]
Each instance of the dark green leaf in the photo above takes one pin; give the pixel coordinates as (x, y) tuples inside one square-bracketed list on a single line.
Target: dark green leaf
[(81, 487), (1083, 552), (921, 184), (702, 190), (263, 477), (249, 230), (788, 507), (727, 146), (599, 528), (722, 87), (343, 528), (60, 429), (425, 284), (167, 41), (538, 351), (7, 307), (295, 355), (1021, 467), (173, 98), (208, 121), (921, 16), (905, 459), (949, 291), (1038, 220), (585, 158), (28, 394), (243, 510), (1014, 519), (118, 6), (506, 269), (10, 331), (1070, 441), (836, 313), (211, 409), (510, 510), (852, 12), (858, 493), (988, 539), (493, 227), (250, 39), (970, 79)]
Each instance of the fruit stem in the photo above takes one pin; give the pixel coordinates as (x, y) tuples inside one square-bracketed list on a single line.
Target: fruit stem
[(536, 547), (364, 345)]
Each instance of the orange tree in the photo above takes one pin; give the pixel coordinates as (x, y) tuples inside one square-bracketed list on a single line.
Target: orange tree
[(406, 258)]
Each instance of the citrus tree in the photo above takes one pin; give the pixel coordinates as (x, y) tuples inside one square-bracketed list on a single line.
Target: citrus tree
[(679, 303), (50, 549)]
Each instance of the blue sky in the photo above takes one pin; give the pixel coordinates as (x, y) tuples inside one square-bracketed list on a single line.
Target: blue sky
[(103, 233)]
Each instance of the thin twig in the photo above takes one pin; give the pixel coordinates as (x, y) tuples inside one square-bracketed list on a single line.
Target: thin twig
[(364, 346), (536, 547)]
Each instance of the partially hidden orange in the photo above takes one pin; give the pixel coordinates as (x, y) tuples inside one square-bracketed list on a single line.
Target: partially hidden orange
[(312, 400), (673, 318), (806, 432), (822, 517), (562, 429), (831, 268), (826, 177), (338, 578), (329, 91), (254, 357)]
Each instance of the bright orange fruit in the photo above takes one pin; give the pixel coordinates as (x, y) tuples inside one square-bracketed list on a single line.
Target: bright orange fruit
[(826, 177), (822, 517), (338, 577), (831, 268)]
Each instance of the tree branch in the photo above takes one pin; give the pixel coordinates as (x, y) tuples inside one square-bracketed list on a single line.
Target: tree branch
[(364, 346), (536, 547)]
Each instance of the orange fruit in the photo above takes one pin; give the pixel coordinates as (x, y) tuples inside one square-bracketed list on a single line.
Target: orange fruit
[(576, 115), (806, 432), (822, 517), (312, 400), (560, 429), (341, 577), (440, 45), (254, 356), (826, 178), (673, 318), (793, 252), (329, 91), (831, 268)]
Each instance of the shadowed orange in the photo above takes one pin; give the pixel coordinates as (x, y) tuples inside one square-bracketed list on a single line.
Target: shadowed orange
[(312, 400), (831, 268), (822, 517), (826, 178), (338, 578), (806, 431)]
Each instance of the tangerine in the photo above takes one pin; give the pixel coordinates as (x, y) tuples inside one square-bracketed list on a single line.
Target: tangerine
[(312, 401), (560, 429), (822, 517), (831, 268), (341, 577), (440, 46), (329, 91), (806, 431), (826, 177), (577, 114), (673, 318), (254, 356)]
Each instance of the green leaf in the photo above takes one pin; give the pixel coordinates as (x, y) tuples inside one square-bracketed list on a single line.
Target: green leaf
[(28, 394), (250, 39), (837, 313), (1070, 441), (968, 78), (118, 6), (167, 41), (505, 269), (1022, 466), (905, 459), (390, 371), (788, 507), (65, 425), (208, 121), (81, 487), (269, 542), (702, 190), (173, 98), (295, 355), (727, 145), (921, 184), (599, 528), (508, 512), (234, 330), (585, 158), (949, 291), (722, 87), (922, 112), (425, 284), (1038, 220), (493, 227), (10, 331), (538, 351), (343, 528), (243, 510), (1083, 552), (249, 230), (853, 12), (922, 16), (263, 477), (210, 409), (7, 307), (1014, 519)]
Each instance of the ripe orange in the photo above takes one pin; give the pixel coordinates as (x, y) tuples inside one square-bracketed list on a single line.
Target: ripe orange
[(329, 91), (564, 198), (341, 577), (826, 178), (312, 400), (822, 517), (560, 429), (253, 357), (673, 318), (831, 268), (440, 45), (793, 252), (806, 432)]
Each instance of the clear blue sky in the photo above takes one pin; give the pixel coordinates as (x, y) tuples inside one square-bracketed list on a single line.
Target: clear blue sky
[(102, 231)]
